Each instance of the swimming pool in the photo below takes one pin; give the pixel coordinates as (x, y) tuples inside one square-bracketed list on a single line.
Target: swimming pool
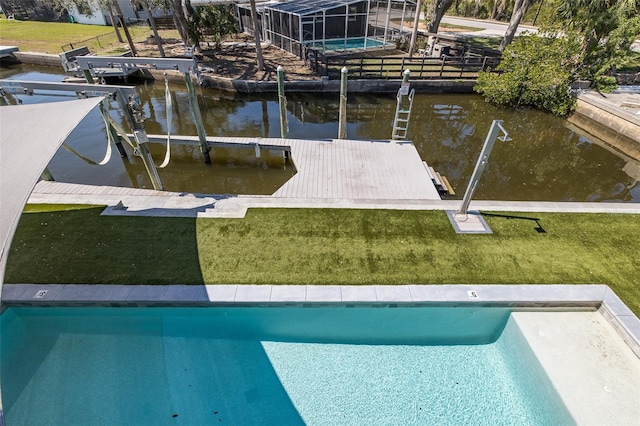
[(349, 43), (276, 365)]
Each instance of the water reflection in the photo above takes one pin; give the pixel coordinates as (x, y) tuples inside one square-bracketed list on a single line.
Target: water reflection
[(545, 161)]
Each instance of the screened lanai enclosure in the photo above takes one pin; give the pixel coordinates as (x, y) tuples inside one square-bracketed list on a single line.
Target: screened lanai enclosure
[(301, 26)]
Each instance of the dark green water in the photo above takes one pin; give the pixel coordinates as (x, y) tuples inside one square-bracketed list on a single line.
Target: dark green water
[(545, 160)]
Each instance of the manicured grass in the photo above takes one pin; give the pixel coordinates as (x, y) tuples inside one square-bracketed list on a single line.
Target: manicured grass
[(49, 37), (291, 246)]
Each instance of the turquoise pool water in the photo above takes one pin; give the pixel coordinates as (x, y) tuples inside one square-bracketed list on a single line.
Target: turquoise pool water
[(351, 43), (279, 365)]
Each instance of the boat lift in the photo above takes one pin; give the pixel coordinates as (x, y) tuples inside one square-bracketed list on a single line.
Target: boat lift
[(126, 97), (95, 65)]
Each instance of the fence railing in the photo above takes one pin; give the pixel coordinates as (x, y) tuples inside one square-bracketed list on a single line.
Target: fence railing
[(108, 40), (459, 68)]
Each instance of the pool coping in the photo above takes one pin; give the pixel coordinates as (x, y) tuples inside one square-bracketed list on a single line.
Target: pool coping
[(590, 296)]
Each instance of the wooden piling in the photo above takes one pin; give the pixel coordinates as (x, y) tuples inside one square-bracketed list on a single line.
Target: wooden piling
[(46, 175), (342, 122), (197, 117), (282, 100)]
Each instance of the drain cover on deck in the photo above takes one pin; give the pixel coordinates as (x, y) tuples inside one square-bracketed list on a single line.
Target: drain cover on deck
[(470, 223)]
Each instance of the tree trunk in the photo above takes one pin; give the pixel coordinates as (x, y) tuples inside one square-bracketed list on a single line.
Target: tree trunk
[(498, 9), (114, 23), (476, 9), (132, 47), (256, 35), (519, 10), (180, 21), (152, 21), (435, 11), (187, 11)]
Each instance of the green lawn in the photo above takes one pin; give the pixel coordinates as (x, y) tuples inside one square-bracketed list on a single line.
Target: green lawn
[(49, 37), (318, 246)]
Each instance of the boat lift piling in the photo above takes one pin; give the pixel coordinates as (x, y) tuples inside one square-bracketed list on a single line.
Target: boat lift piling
[(282, 101), (197, 117), (342, 123)]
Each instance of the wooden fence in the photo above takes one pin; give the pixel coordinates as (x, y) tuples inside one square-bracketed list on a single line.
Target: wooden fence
[(447, 67)]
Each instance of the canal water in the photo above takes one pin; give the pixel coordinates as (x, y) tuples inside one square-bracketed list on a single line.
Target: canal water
[(545, 161)]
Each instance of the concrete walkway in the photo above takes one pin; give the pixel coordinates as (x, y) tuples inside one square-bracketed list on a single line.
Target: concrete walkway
[(144, 202)]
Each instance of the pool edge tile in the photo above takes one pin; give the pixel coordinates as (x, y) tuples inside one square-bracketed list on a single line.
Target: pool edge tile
[(365, 293), (221, 292), (288, 293), (12, 292), (147, 293), (393, 293), (186, 293), (253, 293), (324, 293)]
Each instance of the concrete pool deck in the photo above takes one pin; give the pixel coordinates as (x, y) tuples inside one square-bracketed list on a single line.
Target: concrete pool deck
[(586, 340)]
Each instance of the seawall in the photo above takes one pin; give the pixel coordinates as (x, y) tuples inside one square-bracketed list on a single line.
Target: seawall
[(310, 86), (608, 110)]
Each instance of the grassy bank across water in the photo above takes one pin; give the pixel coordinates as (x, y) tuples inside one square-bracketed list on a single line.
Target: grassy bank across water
[(49, 37), (325, 246)]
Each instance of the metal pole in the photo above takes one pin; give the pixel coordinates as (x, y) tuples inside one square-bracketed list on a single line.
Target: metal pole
[(195, 110), (386, 24), (282, 100), (342, 123), (141, 139), (114, 134), (489, 142), (414, 32)]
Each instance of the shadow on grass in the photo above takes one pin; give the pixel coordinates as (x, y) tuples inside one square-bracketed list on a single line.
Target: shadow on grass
[(539, 229), (79, 246)]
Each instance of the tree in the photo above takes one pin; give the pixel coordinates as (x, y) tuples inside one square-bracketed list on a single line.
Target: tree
[(434, 11), (179, 18), (256, 35), (499, 9), (152, 22), (520, 9), (116, 7), (535, 71), (606, 27), (217, 19)]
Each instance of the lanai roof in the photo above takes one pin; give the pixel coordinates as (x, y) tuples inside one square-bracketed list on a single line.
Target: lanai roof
[(306, 7)]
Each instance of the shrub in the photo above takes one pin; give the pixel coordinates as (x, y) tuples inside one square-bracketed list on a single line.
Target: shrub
[(535, 71)]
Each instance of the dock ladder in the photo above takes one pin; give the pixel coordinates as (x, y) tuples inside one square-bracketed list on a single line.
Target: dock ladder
[(403, 113)]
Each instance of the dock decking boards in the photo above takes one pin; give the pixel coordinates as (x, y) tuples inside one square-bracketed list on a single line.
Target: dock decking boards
[(344, 168)]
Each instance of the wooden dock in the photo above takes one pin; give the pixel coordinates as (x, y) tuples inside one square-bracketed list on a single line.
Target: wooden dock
[(342, 168)]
